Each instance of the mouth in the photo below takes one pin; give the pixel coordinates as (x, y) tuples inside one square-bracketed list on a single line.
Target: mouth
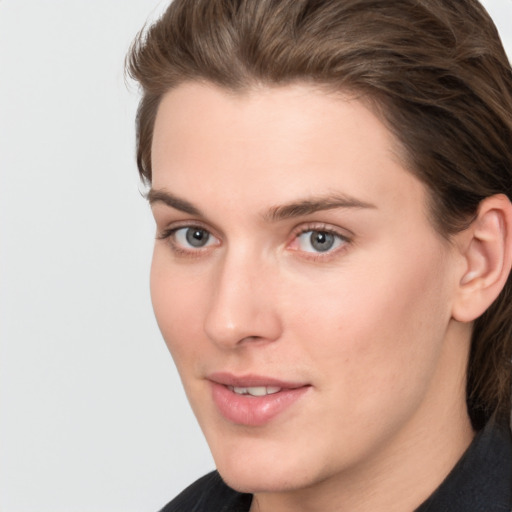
[(253, 400)]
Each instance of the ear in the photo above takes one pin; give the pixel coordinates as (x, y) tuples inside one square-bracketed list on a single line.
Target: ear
[(487, 252)]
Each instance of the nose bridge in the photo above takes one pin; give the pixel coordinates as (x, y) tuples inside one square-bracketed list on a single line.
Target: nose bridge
[(242, 304)]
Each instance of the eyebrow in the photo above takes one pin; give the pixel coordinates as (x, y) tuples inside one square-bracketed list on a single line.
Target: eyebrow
[(298, 208), (314, 204), (162, 196)]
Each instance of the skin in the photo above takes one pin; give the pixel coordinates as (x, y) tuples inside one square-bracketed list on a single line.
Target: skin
[(368, 324)]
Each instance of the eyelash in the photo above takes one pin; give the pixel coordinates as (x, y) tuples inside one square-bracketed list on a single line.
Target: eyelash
[(342, 239), (170, 236)]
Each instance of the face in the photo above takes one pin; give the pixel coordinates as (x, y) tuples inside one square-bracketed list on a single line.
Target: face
[(298, 282)]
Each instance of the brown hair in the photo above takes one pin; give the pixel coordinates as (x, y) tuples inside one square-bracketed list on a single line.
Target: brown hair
[(435, 71)]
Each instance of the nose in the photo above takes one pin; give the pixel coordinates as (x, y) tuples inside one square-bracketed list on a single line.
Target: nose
[(243, 305)]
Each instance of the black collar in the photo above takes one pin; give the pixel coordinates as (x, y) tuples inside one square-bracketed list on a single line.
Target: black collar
[(482, 479)]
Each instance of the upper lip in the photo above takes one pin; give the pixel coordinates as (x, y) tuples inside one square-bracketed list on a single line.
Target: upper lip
[(251, 380)]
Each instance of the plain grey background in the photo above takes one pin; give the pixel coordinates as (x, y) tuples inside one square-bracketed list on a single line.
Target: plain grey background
[(92, 415)]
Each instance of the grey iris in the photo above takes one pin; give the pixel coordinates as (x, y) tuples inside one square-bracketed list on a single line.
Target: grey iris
[(197, 237), (321, 241)]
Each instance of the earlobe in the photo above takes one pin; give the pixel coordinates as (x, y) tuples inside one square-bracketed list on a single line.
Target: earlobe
[(488, 258)]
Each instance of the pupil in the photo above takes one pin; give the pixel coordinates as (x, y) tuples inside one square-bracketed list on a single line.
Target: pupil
[(322, 241), (197, 237)]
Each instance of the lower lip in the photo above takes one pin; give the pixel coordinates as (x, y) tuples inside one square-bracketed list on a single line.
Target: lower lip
[(250, 410)]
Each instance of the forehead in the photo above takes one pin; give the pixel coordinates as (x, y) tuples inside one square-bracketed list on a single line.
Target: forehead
[(271, 145)]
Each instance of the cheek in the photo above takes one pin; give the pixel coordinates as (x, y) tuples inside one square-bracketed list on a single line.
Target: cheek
[(376, 330), (176, 299)]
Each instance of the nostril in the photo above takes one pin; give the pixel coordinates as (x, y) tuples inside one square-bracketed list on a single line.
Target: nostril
[(257, 327)]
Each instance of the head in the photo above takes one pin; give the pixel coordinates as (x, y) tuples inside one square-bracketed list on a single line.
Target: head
[(434, 72), (330, 182)]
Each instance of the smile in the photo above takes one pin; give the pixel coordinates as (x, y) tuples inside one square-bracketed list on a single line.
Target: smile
[(252, 400)]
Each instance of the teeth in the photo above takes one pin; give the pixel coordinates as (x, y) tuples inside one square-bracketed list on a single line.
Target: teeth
[(255, 390)]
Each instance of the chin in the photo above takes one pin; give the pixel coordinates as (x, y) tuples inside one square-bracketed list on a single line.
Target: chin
[(265, 481), (266, 470)]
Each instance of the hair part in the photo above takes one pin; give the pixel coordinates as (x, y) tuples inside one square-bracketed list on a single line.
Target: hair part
[(435, 71)]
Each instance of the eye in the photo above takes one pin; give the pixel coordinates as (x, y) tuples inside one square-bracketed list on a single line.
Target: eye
[(318, 241), (192, 237)]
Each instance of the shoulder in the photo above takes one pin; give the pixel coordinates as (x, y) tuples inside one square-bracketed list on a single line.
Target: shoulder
[(207, 494)]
